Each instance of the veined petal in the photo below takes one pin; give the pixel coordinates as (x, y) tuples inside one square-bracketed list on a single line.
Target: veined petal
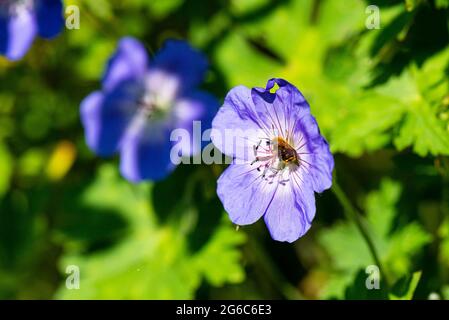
[(290, 179), (197, 106), (180, 59), (105, 117), (286, 216), (145, 151), (236, 127), (17, 33), (129, 62), (317, 160), (49, 14), (304, 194), (244, 194), (280, 109)]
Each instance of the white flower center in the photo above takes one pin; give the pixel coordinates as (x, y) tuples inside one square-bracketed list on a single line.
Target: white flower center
[(161, 90), (275, 156), (15, 7)]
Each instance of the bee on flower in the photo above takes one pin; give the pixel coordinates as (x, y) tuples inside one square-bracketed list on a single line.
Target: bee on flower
[(280, 158)]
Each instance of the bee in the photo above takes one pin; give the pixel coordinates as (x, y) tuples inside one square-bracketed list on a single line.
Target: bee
[(286, 153)]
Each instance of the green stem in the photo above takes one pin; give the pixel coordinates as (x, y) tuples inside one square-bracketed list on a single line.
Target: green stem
[(354, 215)]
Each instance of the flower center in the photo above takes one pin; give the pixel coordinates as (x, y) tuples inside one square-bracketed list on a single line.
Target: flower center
[(151, 107), (274, 156), (13, 7), (159, 94)]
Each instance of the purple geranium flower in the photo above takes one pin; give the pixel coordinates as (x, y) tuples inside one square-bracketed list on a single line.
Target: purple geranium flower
[(21, 20), (141, 102), (279, 158)]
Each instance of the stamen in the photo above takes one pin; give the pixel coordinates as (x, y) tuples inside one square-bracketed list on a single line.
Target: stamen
[(277, 156)]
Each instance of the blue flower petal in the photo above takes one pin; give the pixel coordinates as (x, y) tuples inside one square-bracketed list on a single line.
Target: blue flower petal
[(236, 126), (145, 151), (244, 194), (4, 35), (286, 216), (280, 109), (284, 193), (200, 107), (304, 195), (105, 117), (180, 59), (318, 161), (129, 62), (50, 20), (17, 33)]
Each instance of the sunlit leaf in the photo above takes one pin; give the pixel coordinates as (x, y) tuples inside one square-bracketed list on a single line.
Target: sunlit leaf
[(6, 167), (152, 261), (349, 251), (406, 287)]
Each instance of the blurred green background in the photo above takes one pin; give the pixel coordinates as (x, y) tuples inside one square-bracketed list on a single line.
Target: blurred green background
[(381, 97)]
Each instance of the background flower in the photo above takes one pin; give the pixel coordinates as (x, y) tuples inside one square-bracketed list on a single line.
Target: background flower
[(22, 20), (142, 101)]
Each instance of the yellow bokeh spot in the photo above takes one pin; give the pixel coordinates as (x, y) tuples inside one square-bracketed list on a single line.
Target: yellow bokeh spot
[(61, 160)]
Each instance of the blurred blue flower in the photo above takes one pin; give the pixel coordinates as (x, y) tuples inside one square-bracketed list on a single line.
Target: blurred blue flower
[(21, 20), (141, 102), (279, 158)]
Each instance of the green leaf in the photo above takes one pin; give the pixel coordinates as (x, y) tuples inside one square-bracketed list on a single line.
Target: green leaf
[(358, 289), (380, 207), (404, 244), (411, 5), (321, 52), (442, 4), (6, 169), (162, 8), (407, 105), (345, 245), (152, 261), (421, 90), (242, 7), (235, 53), (405, 288), (101, 8), (218, 260), (349, 252), (445, 291), (366, 126), (424, 132)]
